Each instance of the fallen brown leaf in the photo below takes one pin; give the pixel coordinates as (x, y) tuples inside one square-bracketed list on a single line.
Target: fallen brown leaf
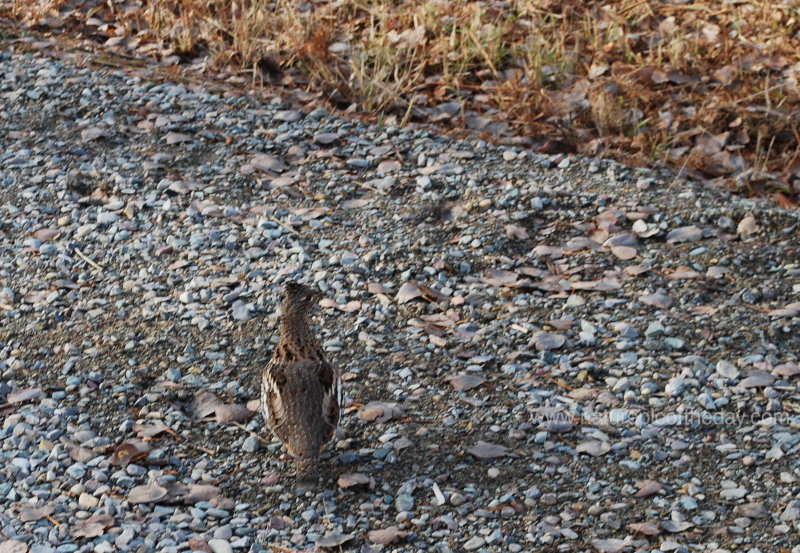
[(387, 536), (381, 411), (463, 382), (485, 451), (352, 480), (93, 526)]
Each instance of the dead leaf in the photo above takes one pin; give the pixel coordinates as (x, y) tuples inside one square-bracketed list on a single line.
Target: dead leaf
[(597, 70), (656, 300), (675, 527), (268, 163), (602, 285), (411, 290), (408, 291), (310, 212), (65, 284), (516, 231), (92, 527), (388, 166), (791, 310), (334, 539), (499, 277), (595, 448), (644, 528), (129, 452), (644, 230), (13, 546), (725, 75), (149, 493), (786, 370), (36, 297), (684, 234), (288, 116), (355, 203), (352, 480), (581, 243), (254, 405), (387, 536), (463, 382), (204, 404), (648, 488), (192, 494), (196, 544), (485, 451), (93, 133), (36, 513), (747, 226), (621, 239), (377, 288), (348, 307), (381, 412), (611, 545), (757, 379), (681, 273), (326, 138), (176, 138), (624, 252), (47, 234), (717, 271), (151, 430), (228, 413), (407, 38), (435, 324), (549, 251), (547, 340), (23, 395), (710, 33), (81, 454), (582, 394)]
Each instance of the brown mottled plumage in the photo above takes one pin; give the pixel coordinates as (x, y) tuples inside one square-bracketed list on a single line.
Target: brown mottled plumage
[(301, 395)]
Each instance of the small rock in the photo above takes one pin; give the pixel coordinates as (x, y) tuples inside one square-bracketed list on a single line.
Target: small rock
[(220, 546), (251, 444), (474, 543), (87, 501), (727, 369)]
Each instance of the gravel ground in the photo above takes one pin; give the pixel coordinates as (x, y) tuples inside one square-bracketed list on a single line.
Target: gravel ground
[(540, 353)]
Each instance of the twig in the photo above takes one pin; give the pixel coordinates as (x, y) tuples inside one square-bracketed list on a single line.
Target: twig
[(557, 383), (87, 260), (282, 549), (756, 308), (203, 449), (679, 173), (373, 188), (253, 434), (407, 115), (287, 227), (55, 522)]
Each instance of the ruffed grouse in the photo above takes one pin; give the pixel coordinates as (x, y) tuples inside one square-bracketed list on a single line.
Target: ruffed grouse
[(301, 395)]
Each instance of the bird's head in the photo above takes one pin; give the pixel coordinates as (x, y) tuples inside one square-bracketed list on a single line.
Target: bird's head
[(298, 298)]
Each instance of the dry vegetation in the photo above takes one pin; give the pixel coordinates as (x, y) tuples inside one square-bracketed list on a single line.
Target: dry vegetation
[(710, 87)]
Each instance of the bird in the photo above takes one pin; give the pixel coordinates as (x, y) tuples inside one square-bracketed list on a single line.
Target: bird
[(301, 394)]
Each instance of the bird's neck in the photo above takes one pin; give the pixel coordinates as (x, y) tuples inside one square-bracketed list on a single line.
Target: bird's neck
[(296, 339)]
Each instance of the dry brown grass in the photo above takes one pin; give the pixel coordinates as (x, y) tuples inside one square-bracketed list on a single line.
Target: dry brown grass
[(712, 86)]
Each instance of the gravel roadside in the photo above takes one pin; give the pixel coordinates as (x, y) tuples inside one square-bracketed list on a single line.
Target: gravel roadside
[(540, 353)]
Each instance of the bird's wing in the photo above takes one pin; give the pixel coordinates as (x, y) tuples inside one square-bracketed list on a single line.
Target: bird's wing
[(273, 385), (331, 386), (277, 390)]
